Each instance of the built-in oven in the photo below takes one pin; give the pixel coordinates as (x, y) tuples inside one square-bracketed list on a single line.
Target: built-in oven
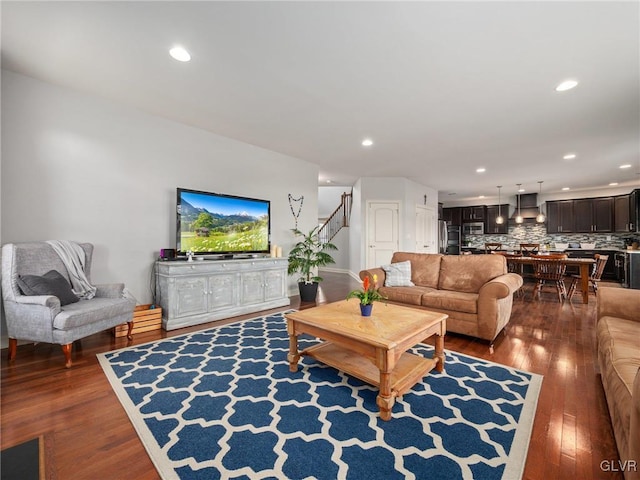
[(473, 228)]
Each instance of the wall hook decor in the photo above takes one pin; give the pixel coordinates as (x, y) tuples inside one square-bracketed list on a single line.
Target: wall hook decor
[(295, 214)]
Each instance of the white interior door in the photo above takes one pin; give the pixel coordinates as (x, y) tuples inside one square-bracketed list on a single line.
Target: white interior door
[(426, 239), (382, 232)]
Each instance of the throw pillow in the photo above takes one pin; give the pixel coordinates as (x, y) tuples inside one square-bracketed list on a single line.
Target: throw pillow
[(51, 283), (398, 274)]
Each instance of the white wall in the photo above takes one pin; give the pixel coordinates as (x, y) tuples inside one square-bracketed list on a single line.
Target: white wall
[(406, 192), (329, 198), (75, 166), (341, 256)]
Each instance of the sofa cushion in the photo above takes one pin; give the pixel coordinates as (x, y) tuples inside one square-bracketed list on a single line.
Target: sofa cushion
[(468, 273), (51, 283), (408, 295), (425, 267), (453, 301), (398, 274), (618, 343)]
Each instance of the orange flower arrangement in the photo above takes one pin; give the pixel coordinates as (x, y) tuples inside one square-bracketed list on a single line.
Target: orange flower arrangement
[(369, 292)]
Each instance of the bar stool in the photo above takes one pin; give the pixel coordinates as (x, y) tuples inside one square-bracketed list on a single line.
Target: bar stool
[(528, 249), (492, 247)]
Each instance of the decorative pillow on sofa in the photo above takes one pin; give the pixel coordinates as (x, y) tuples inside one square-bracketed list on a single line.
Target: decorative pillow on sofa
[(51, 283), (398, 274)]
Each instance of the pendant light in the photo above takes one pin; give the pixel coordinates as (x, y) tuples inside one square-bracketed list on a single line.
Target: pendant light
[(499, 218), (519, 218), (540, 218)]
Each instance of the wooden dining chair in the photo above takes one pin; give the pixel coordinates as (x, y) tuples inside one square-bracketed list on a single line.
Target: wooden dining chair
[(513, 267), (594, 278), (550, 270), (528, 249), (490, 247)]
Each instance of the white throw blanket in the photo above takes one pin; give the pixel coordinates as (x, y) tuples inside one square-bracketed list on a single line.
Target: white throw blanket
[(73, 257)]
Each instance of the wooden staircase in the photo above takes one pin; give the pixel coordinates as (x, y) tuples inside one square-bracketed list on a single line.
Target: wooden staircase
[(338, 219)]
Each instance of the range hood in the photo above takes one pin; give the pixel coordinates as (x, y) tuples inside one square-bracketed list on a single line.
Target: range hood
[(528, 207)]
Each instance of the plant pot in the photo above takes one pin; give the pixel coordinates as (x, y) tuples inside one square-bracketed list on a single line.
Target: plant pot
[(365, 310), (308, 291)]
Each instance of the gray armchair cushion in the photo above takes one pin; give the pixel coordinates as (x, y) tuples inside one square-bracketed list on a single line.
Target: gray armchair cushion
[(51, 283)]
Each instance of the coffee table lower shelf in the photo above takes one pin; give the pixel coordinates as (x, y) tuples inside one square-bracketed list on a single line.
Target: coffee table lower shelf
[(408, 370)]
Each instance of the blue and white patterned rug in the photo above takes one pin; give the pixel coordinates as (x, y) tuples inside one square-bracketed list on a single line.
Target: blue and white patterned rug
[(221, 403)]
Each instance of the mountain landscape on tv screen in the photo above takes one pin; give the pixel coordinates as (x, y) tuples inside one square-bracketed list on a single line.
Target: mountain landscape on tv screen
[(204, 231)]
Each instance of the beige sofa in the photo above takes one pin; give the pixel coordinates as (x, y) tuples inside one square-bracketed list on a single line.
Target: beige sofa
[(618, 336), (474, 290)]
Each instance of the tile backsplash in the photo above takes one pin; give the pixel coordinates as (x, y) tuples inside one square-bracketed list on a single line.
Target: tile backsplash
[(536, 233)]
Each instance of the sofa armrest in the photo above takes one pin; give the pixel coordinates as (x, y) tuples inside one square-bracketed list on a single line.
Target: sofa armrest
[(110, 290), (502, 286), (371, 272), (634, 428), (619, 302)]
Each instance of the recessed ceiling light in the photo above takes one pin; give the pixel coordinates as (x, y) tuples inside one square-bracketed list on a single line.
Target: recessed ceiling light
[(613, 184), (626, 165), (180, 54), (566, 85), (367, 142), (565, 189), (569, 156), (328, 181), (481, 170), (481, 196)]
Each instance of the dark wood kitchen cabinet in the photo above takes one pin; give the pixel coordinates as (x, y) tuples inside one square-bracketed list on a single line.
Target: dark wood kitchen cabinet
[(473, 214), (593, 215), (625, 212), (491, 214), (452, 215), (560, 216)]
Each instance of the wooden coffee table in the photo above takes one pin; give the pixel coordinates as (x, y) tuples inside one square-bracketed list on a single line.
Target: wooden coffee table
[(373, 349)]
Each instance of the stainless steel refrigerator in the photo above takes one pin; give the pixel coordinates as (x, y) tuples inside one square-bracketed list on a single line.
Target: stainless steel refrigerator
[(448, 238)]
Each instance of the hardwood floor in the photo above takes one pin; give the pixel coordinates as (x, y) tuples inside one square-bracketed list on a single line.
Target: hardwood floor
[(91, 436)]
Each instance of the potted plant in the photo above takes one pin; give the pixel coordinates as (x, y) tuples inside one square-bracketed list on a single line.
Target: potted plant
[(367, 295), (305, 257)]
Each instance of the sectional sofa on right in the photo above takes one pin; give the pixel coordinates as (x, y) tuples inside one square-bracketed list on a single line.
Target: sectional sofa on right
[(618, 337)]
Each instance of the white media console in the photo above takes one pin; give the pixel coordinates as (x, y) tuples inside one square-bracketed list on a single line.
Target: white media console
[(202, 291)]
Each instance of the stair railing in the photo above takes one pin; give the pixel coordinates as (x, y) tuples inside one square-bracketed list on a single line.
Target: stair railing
[(338, 219)]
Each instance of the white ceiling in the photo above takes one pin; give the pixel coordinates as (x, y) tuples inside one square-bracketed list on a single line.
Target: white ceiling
[(442, 88)]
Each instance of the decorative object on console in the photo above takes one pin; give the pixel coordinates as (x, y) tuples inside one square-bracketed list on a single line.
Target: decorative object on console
[(305, 257), (167, 253)]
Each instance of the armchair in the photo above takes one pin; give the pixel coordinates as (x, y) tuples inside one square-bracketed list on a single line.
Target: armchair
[(42, 318)]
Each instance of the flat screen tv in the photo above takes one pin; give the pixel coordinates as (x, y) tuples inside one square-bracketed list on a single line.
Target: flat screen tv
[(213, 223)]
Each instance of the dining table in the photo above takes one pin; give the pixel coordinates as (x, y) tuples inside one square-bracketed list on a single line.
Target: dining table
[(585, 264)]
